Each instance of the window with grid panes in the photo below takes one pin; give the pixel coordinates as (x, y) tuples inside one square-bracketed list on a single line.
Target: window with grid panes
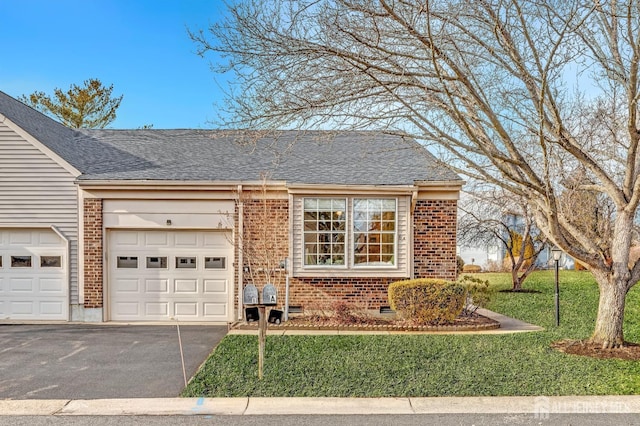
[(332, 238), (324, 231)]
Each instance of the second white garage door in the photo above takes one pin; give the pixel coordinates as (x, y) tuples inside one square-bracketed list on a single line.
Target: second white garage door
[(33, 275), (164, 275)]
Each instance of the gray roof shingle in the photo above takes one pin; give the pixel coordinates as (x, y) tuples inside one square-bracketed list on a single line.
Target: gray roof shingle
[(297, 157)]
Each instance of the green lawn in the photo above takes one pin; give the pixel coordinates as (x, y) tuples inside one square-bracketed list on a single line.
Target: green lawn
[(436, 365)]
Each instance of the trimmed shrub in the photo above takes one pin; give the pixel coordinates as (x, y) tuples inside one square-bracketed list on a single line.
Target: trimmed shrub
[(479, 293), (427, 300), (472, 269), (459, 264)]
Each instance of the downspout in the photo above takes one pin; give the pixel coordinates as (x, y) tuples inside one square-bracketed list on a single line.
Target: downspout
[(414, 201), (67, 244), (240, 234)]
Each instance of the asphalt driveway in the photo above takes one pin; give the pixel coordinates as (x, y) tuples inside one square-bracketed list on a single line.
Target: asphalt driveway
[(84, 361)]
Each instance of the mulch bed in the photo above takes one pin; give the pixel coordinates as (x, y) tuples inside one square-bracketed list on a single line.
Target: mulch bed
[(473, 322), (630, 351)]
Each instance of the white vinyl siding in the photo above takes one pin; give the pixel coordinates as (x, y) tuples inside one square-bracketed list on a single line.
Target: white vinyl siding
[(401, 268), (37, 191)]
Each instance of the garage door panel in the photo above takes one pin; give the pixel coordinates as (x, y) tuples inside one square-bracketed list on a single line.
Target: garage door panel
[(123, 285), (216, 241), (22, 285), (22, 308), (124, 238), (186, 309), (125, 310), (156, 286), (51, 286), (156, 310), (215, 286), (215, 309), (51, 308), (186, 287), (48, 239), (21, 238), (156, 239), (186, 239)]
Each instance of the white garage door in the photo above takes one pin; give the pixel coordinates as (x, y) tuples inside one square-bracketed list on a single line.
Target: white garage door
[(164, 275), (33, 275)]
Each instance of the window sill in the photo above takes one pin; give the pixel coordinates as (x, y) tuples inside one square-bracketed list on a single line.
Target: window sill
[(367, 272)]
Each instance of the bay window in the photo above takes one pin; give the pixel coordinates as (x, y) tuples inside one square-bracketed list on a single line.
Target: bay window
[(344, 233)]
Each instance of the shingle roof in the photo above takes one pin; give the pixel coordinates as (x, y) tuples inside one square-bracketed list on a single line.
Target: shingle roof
[(297, 157)]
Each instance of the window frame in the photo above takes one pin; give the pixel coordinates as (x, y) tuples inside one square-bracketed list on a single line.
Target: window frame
[(394, 255), (345, 243), (14, 259), (49, 258), (349, 265)]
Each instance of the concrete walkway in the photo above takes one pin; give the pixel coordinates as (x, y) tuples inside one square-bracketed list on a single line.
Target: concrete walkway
[(540, 406), (507, 325)]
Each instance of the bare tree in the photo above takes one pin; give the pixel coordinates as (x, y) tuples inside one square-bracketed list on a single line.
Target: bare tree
[(262, 240), (487, 217), (521, 94)]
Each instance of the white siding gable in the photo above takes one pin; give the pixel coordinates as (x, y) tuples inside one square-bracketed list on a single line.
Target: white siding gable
[(38, 191)]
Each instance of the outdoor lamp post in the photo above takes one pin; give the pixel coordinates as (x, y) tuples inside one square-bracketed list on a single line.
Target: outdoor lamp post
[(556, 252)]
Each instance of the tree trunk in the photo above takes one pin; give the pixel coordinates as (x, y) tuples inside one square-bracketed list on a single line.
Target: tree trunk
[(608, 331), (614, 283), (515, 280)]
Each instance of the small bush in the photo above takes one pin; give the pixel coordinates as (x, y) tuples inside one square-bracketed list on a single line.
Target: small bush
[(459, 264), (495, 266), (427, 300), (472, 269), (337, 311), (479, 293)]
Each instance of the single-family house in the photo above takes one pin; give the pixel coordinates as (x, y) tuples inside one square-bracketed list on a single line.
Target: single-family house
[(154, 225)]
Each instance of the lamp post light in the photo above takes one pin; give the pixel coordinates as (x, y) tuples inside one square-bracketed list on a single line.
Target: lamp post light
[(557, 253)]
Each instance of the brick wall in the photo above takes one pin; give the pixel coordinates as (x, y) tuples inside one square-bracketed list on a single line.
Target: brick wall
[(265, 241), (434, 253), (93, 271), (434, 236), (321, 293)]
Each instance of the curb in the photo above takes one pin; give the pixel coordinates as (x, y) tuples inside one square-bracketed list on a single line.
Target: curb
[(536, 405)]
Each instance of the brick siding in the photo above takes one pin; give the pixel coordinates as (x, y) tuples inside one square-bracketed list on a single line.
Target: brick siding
[(434, 252), (434, 239), (265, 241), (93, 245)]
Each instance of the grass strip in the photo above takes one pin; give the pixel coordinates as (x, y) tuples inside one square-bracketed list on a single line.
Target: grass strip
[(436, 365)]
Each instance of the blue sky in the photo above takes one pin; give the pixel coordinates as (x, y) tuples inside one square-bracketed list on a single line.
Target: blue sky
[(139, 46)]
